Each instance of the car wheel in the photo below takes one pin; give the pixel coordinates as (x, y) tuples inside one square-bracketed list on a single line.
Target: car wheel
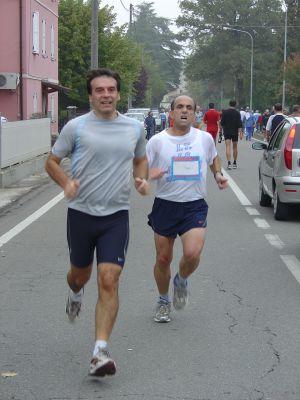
[(264, 199), (281, 210)]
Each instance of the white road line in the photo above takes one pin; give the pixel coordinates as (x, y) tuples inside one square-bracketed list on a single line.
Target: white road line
[(275, 241), (29, 220), (252, 211), (293, 264), (261, 223), (237, 191)]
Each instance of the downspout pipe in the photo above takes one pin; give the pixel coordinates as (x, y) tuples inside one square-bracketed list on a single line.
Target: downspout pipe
[(21, 58)]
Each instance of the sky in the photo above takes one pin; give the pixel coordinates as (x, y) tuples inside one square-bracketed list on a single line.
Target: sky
[(163, 8)]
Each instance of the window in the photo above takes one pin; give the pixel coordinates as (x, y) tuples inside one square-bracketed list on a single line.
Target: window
[(43, 37), (35, 33), (52, 38), (52, 108), (35, 105), (281, 135)]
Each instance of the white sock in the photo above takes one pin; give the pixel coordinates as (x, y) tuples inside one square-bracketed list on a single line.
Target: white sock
[(76, 296), (100, 344)]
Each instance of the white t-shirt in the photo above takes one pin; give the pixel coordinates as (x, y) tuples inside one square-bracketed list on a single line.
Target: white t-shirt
[(185, 158)]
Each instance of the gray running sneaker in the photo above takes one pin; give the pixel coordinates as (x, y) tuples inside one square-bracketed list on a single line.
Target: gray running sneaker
[(72, 308), (180, 297), (162, 312), (102, 364)]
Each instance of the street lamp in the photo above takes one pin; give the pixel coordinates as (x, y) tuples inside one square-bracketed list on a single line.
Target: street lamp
[(284, 59), (251, 67)]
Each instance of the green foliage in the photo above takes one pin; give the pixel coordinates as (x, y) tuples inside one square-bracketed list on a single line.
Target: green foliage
[(221, 58), (116, 51), (161, 51), (293, 79)]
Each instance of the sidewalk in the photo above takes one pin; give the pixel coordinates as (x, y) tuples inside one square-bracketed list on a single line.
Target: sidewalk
[(14, 192)]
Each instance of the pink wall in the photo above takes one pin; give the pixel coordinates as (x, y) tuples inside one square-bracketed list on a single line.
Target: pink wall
[(35, 67)]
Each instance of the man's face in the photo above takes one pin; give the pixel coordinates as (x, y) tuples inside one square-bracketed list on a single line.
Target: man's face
[(184, 112), (105, 96)]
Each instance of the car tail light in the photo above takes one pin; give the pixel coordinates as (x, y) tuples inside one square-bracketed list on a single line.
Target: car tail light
[(289, 147)]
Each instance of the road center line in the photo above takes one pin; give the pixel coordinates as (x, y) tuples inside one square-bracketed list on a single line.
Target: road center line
[(293, 265), (252, 211), (275, 241), (261, 223), (29, 220)]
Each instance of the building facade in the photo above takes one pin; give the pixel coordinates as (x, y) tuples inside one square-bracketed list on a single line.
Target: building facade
[(29, 60)]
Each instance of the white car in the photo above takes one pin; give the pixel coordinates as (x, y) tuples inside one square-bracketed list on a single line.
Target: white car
[(3, 119)]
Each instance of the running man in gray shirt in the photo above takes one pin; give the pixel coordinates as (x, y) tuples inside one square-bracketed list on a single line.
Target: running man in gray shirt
[(106, 148)]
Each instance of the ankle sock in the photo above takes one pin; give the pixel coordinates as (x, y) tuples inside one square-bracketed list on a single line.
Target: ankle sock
[(99, 345), (164, 299), (76, 296), (179, 281)]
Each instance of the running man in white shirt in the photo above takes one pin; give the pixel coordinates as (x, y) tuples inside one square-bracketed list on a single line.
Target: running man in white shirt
[(178, 159)]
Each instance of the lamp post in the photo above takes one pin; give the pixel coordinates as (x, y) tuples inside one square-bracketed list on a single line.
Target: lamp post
[(251, 65), (284, 59)]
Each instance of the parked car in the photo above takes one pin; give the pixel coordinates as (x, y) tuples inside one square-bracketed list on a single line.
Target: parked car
[(139, 110), (279, 168), (138, 116), (3, 119)]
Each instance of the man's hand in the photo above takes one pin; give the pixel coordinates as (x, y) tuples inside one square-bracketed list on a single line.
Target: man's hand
[(71, 188), (156, 173), (142, 186), (222, 182)]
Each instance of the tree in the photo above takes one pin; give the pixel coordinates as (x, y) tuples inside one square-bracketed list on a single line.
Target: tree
[(162, 54), (221, 57), (116, 50)]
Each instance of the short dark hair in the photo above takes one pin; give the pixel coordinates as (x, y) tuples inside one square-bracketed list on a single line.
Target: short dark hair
[(278, 107), (95, 73), (296, 108), (232, 103), (211, 105), (174, 101)]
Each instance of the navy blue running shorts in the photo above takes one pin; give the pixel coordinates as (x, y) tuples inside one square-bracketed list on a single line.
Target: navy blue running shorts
[(108, 235), (231, 136), (172, 218)]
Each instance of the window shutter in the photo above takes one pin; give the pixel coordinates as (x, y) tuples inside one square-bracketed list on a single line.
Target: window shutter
[(35, 33), (52, 38)]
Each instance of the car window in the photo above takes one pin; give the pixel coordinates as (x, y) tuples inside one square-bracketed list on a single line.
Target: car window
[(280, 135)]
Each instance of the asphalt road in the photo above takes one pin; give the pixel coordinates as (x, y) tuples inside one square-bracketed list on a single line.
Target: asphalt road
[(236, 340)]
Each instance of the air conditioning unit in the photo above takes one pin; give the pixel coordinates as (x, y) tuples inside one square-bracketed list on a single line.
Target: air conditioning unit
[(9, 80)]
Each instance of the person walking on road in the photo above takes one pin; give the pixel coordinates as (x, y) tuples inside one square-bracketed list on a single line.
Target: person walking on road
[(249, 123), (198, 118), (212, 120), (150, 125), (232, 128), (178, 160), (274, 120), (106, 148), (265, 117)]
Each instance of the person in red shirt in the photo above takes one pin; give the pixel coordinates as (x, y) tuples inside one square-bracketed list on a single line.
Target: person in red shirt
[(212, 120)]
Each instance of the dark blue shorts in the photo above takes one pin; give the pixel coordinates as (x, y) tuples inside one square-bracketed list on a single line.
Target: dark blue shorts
[(171, 218), (108, 235)]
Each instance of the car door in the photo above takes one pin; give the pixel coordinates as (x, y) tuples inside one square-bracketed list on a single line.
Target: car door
[(273, 153)]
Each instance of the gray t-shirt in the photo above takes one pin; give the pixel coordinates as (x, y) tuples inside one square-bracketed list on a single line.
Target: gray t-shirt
[(102, 152)]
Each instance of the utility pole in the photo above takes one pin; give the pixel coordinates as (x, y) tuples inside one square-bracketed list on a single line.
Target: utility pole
[(129, 99), (130, 15), (94, 34)]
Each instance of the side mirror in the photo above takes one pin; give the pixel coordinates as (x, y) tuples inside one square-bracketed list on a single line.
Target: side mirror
[(259, 146)]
